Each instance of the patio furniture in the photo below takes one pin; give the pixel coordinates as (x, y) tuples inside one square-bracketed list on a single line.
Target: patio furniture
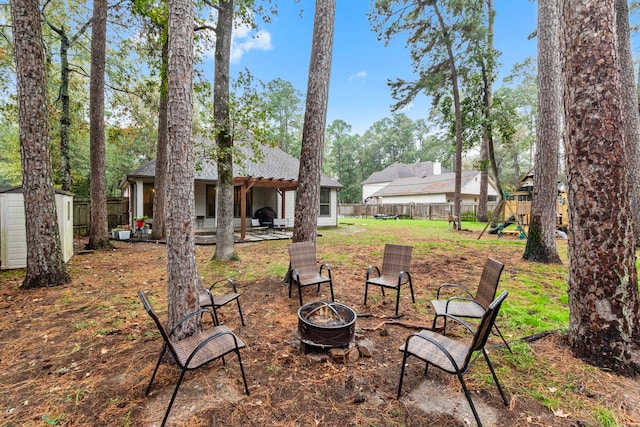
[(468, 305), (256, 226), (280, 223), (453, 356), (194, 351), (208, 299), (396, 262), (304, 269)]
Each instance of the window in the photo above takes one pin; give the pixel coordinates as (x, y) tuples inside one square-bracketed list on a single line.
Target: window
[(148, 193), (236, 202), (325, 202), (211, 201)]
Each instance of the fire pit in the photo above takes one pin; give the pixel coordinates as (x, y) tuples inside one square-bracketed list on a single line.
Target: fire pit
[(326, 324)]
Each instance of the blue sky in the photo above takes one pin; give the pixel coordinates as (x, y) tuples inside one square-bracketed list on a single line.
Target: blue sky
[(361, 65)]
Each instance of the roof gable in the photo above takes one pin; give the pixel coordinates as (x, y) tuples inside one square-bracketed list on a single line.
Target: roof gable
[(276, 165)]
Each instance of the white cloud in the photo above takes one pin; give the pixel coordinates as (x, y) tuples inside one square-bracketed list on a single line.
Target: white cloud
[(244, 41), (360, 75)]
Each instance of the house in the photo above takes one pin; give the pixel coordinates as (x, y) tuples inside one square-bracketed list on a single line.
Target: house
[(13, 233), (269, 187), (381, 179), (438, 188)]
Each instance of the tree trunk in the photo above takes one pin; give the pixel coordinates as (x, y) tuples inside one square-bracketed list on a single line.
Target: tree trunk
[(487, 133), (315, 119), (182, 271), (631, 122), (160, 185), (99, 229), (541, 239), (604, 325), (45, 263), (457, 167), (65, 114), (225, 248)]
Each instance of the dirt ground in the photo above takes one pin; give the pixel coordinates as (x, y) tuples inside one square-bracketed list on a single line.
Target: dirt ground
[(82, 354)]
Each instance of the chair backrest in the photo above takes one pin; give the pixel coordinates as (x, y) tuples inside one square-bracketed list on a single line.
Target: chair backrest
[(396, 258), (279, 222), (154, 316), (255, 222), (489, 282), (302, 256), (486, 325)]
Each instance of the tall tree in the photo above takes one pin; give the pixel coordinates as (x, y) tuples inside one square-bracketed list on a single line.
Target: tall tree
[(284, 110), (225, 249), (45, 263), (315, 119), (631, 121), (442, 35), (66, 42), (541, 239), (98, 237), (182, 271), (604, 319)]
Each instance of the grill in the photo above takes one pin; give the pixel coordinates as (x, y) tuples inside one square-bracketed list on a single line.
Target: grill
[(326, 324)]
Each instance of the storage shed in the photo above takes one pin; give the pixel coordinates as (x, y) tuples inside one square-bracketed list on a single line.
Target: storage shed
[(13, 236)]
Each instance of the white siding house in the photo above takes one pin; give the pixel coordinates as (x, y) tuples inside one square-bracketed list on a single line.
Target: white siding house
[(434, 189), (13, 236), (270, 185)]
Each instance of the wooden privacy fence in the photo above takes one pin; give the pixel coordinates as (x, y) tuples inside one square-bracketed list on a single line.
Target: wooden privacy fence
[(437, 211), (117, 214)]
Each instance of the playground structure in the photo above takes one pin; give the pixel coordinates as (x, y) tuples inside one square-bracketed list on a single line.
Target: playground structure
[(515, 208)]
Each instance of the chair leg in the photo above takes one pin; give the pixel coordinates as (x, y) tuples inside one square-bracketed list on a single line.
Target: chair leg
[(164, 348), (397, 300), (331, 288), (435, 319), (366, 290), (240, 312), (300, 293), (215, 315), (495, 377), (468, 396), (413, 298), (244, 379), (290, 284), (173, 397), (404, 362)]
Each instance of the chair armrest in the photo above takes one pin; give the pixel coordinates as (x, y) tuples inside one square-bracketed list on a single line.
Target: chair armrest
[(209, 339), (228, 280), (206, 291), (189, 316), (326, 267), (464, 324), (453, 285), (403, 274), (371, 269)]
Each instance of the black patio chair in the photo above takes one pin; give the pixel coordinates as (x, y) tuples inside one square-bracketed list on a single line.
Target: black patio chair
[(209, 299), (194, 351), (396, 262), (452, 356)]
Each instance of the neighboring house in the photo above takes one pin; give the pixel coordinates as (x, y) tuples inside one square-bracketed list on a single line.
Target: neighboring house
[(439, 188), (381, 179), (270, 186), (13, 233)]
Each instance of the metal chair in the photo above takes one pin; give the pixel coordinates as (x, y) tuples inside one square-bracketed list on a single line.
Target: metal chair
[(467, 305), (194, 351), (304, 268), (452, 356), (396, 262), (208, 299)]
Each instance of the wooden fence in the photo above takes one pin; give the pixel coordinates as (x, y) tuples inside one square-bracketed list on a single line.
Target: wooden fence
[(117, 214), (437, 211)]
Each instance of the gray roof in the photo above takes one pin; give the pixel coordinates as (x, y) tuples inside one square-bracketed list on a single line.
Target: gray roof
[(435, 184), (276, 164), (402, 170), (390, 173)]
